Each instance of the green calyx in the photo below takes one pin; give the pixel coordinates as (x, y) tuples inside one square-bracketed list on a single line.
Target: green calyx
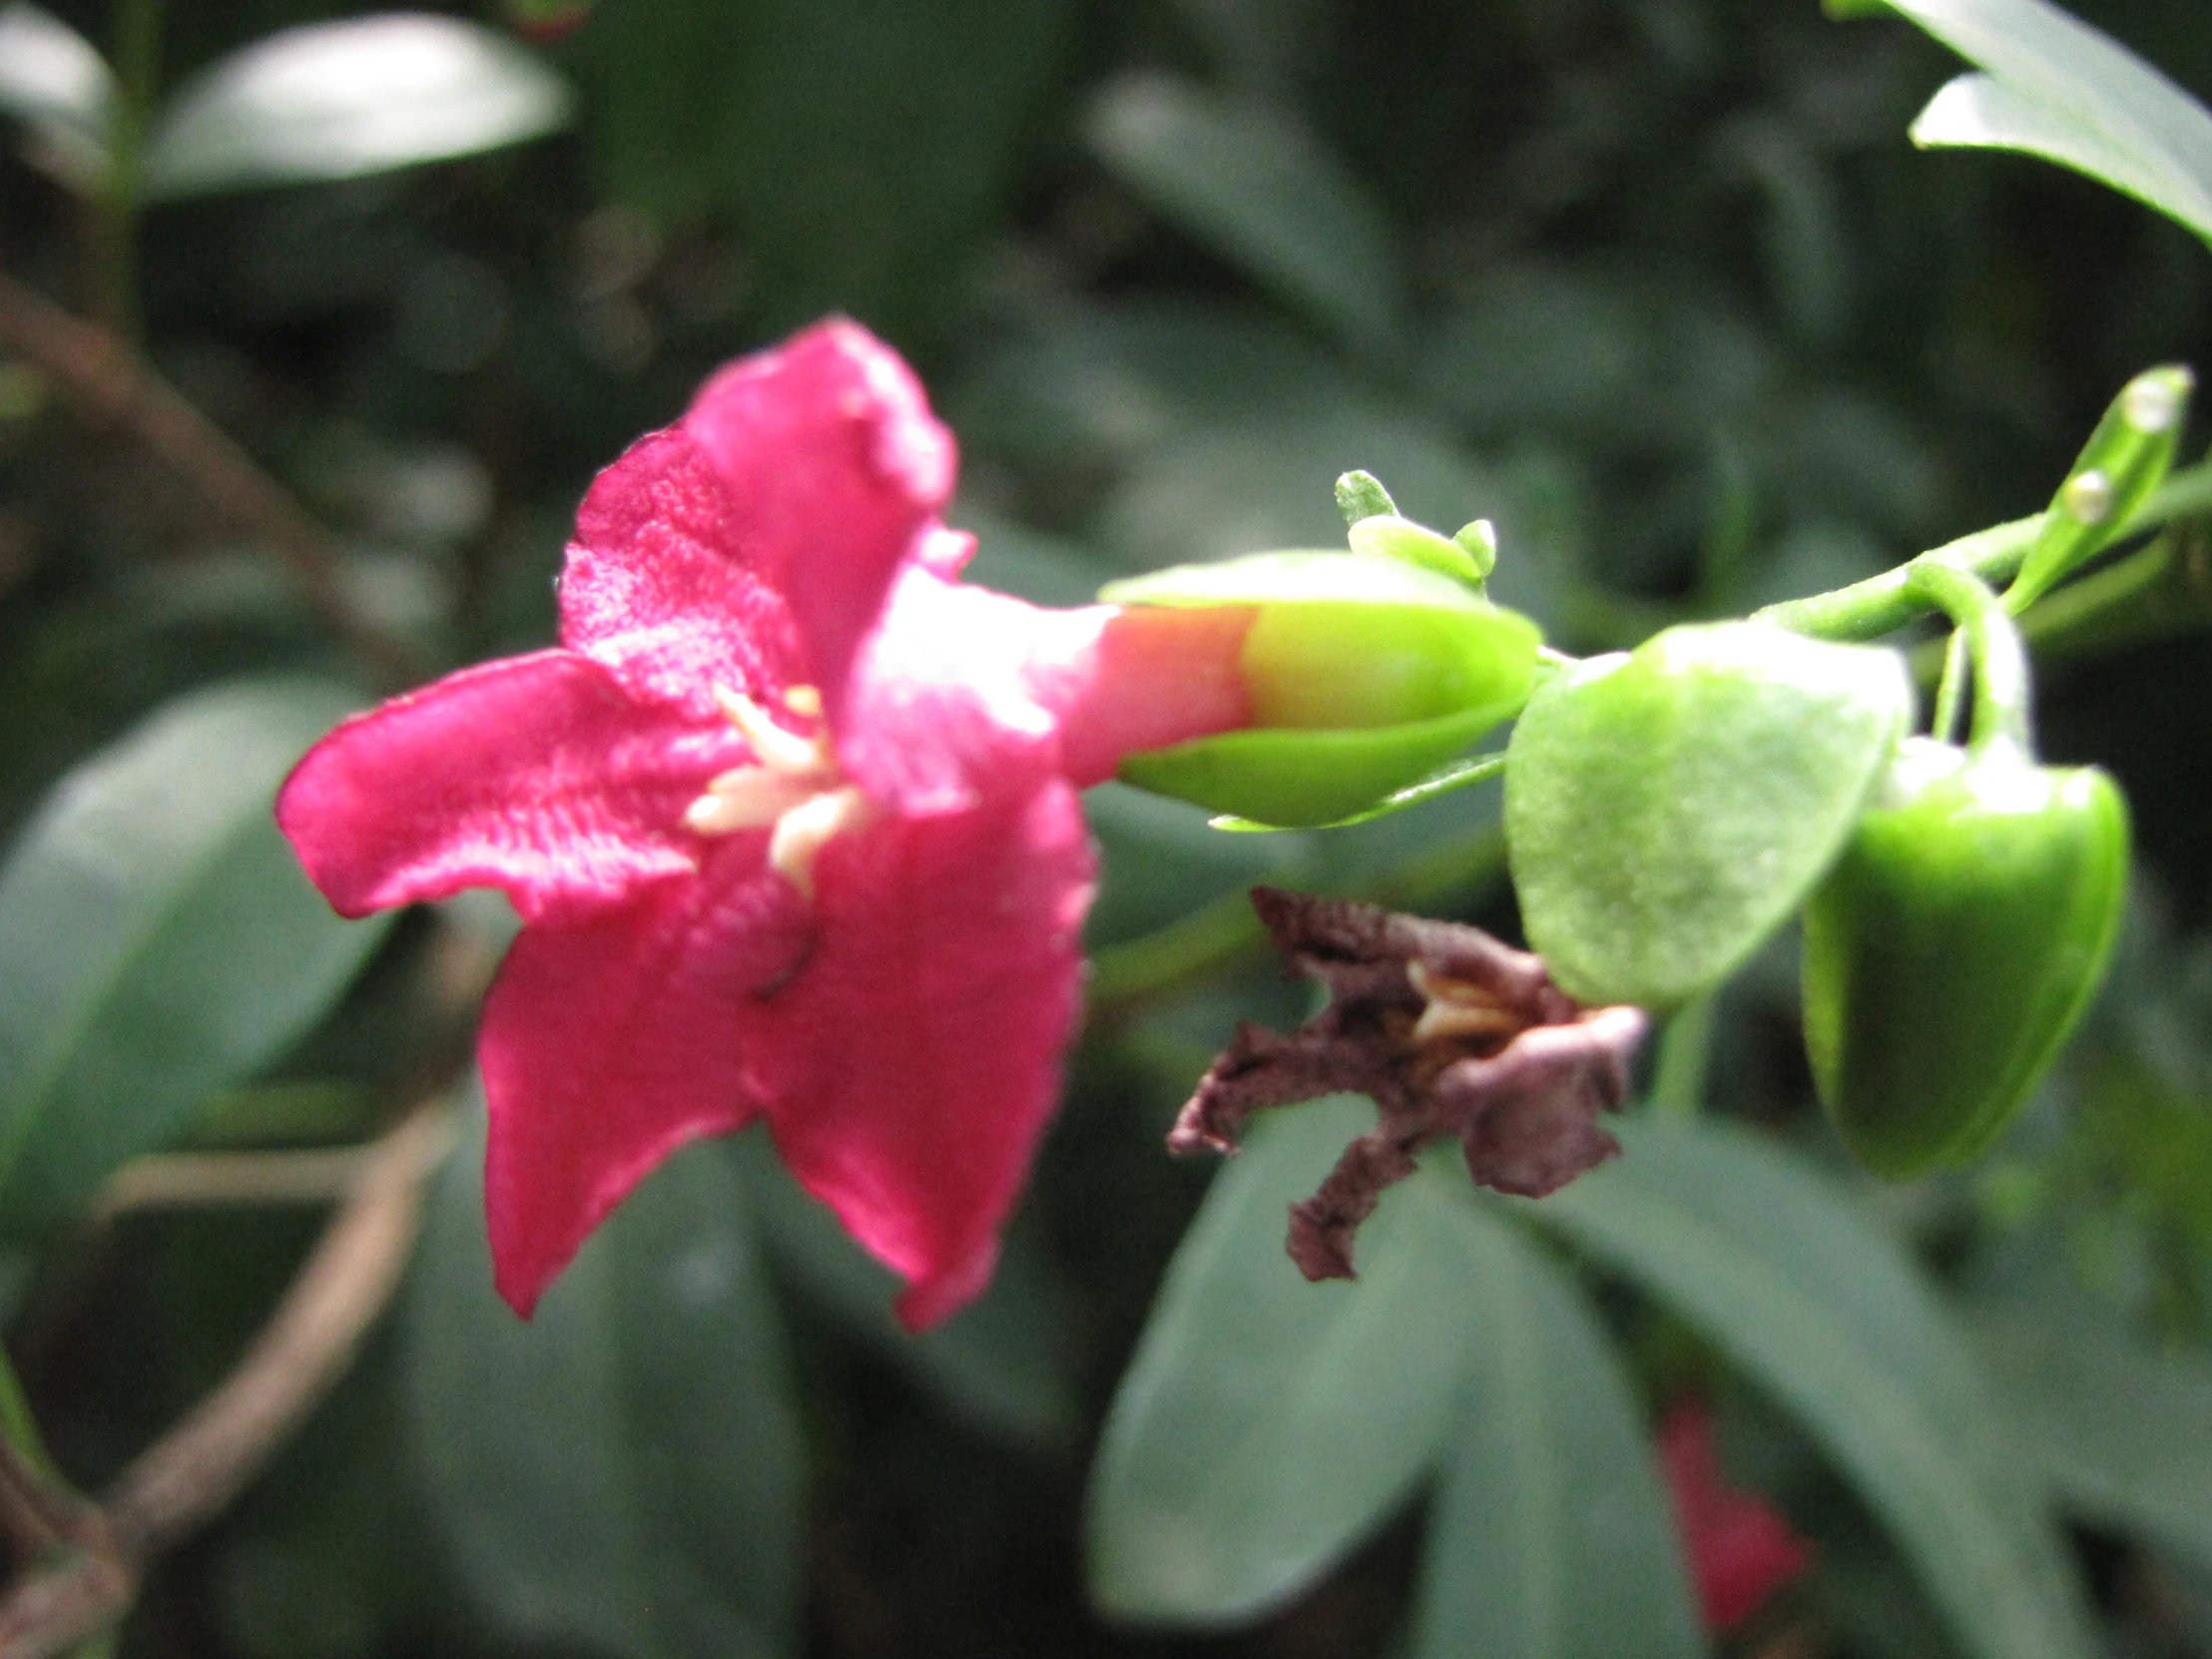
[(1951, 949), (1365, 674)]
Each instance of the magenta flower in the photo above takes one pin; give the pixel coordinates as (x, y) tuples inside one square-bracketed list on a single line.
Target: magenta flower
[(789, 817)]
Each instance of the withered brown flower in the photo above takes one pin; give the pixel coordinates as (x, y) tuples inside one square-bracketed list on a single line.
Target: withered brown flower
[(1450, 1032)]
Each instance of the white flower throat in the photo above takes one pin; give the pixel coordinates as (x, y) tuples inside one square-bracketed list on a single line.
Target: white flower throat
[(792, 783)]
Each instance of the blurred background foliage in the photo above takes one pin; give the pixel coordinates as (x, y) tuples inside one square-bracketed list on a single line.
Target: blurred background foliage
[(1656, 285)]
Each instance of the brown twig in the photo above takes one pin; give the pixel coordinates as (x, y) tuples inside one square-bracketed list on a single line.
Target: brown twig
[(101, 373), (99, 1552)]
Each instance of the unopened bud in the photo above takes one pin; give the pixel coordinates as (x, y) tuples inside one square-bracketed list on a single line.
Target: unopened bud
[(1364, 674)]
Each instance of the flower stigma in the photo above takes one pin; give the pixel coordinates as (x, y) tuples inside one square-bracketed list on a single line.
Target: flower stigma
[(793, 787)]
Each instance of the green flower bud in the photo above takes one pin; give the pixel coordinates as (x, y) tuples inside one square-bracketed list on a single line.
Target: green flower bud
[(1365, 674), (1949, 952)]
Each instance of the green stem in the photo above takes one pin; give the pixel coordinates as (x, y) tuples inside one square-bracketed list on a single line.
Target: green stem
[(19, 1427), (1951, 688), (1220, 934), (1883, 604), (116, 208), (1685, 1053), (2002, 691)]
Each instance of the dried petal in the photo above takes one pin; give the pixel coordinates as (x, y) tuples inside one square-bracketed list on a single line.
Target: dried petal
[(1450, 1032)]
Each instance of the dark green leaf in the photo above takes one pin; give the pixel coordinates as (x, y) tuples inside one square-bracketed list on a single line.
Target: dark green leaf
[(1266, 1425), (862, 150), (1252, 182), (621, 1474), (340, 99), (1818, 1303), (1553, 1537), (1003, 1364), (158, 942), (2122, 1433)]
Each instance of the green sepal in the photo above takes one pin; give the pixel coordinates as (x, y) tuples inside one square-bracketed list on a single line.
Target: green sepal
[(1361, 495), (1667, 808), (1298, 577), (2126, 457), (1447, 778), (1386, 536), (1286, 777), (1952, 948)]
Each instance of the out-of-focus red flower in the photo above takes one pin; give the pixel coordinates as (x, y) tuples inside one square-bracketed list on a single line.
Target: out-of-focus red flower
[(1741, 1552), (789, 817)]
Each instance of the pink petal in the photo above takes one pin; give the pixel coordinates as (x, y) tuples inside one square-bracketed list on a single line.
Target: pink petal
[(1141, 678), (537, 775), (655, 586), (611, 1041), (1741, 1552), (942, 712), (912, 1066), (834, 470)]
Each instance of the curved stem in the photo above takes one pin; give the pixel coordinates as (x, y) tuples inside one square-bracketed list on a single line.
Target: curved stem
[(1951, 688), (2000, 680), (1883, 604)]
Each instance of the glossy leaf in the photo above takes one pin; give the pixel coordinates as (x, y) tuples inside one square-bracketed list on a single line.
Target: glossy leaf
[(2123, 1434), (1813, 1299), (1252, 183), (1267, 1425), (344, 98), (158, 942), (1002, 1364), (622, 1475), (1668, 808), (54, 79), (1551, 1536), (2057, 88)]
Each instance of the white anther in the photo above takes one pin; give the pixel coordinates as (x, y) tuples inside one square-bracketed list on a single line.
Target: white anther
[(2152, 403), (802, 832), (2087, 497), (803, 701), (771, 745), (746, 798)]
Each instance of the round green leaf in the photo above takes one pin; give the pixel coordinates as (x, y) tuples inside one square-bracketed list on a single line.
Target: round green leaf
[(1667, 808)]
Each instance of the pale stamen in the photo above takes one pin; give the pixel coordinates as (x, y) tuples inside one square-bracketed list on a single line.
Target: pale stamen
[(802, 832), (793, 784), (775, 748), (1457, 1008), (746, 798)]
